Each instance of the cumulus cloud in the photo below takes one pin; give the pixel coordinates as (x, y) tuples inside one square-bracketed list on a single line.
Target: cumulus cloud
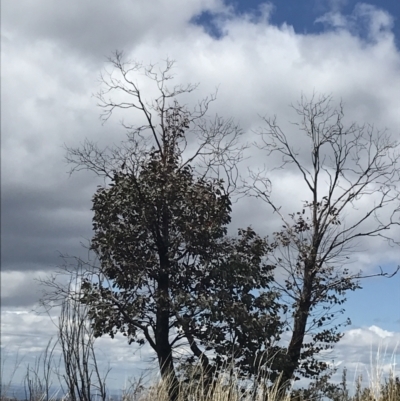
[(26, 333), (366, 20), (369, 352), (91, 30), (366, 351), (20, 288), (52, 56)]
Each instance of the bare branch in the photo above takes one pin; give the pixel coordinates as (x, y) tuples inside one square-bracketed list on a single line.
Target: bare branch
[(353, 175)]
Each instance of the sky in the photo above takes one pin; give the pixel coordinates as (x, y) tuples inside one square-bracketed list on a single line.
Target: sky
[(261, 55)]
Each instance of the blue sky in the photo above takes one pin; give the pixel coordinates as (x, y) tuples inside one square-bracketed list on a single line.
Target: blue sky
[(377, 303), (364, 307), (261, 55), (302, 15)]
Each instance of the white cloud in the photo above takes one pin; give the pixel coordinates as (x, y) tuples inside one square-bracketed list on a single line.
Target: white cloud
[(366, 351), (371, 352), (25, 335), (91, 30), (366, 19), (52, 56)]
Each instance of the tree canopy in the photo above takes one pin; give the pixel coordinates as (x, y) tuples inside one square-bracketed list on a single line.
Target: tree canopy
[(168, 273)]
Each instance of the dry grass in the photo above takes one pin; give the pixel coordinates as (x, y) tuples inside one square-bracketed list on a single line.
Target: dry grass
[(224, 388), (229, 388)]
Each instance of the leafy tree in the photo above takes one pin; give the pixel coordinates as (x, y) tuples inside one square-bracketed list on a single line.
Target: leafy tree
[(352, 174), (168, 274)]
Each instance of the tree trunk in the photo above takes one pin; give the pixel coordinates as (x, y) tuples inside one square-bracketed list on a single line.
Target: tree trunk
[(209, 373), (164, 349), (299, 328)]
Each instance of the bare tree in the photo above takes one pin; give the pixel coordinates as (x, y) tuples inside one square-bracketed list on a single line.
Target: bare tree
[(38, 378), (352, 174), (82, 375), (78, 371), (212, 144)]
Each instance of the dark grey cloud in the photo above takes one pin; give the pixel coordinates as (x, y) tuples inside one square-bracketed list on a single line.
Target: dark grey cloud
[(53, 54), (39, 222), (92, 30), (88, 29)]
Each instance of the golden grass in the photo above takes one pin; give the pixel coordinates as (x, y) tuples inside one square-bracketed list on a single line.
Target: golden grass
[(227, 387)]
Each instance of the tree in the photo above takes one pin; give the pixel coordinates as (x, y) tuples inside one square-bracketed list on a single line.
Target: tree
[(79, 372), (82, 376), (167, 270), (349, 169)]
